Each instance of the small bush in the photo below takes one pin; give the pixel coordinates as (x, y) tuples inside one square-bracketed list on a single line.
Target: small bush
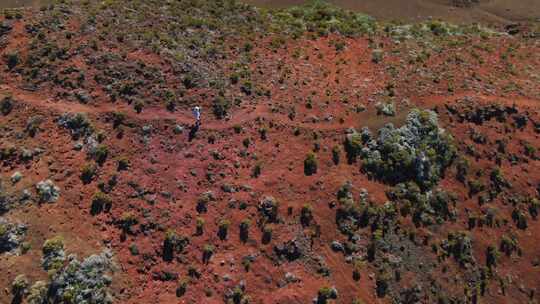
[(208, 251), (492, 255), (6, 105), (325, 294), (220, 107), (12, 60), (200, 226), (101, 154), (306, 215), (123, 164), (138, 106), (87, 173), (244, 229), (310, 164), (18, 288), (173, 244), (182, 288), (267, 234), (100, 203), (336, 152), (53, 245), (223, 229), (256, 172)]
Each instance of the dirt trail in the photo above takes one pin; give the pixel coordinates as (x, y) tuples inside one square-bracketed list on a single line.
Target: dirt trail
[(239, 117)]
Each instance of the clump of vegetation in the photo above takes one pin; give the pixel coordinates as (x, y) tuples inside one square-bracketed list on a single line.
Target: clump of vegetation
[(182, 288), (200, 226), (100, 154), (6, 105), (492, 254), (325, 294), (19, 287), (267, 234), (354, 143), (83, 281), (78, 124), (173, 244), (12, 60), (459, 246), (323, 18), (47, 191), (382, 282), (336, 152), (11, 235), (426, 208), (88, 172), (269, 208), (418, 151), (306, 215), (509, 244), (257, 169), (223, 229), (101, 202), (208, 251), (310, 164), (221, 107), (203, 200), (123, 164), (53, 254), (244, 229)]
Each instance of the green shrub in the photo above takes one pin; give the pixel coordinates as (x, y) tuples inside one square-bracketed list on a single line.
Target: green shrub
[(182, 288), (200, 226), (325, 294), (244, 229), (101, 202), (101, 154), (267, 234), (382, 282), (208, 251), (336, 152), (306, 215), (173, 244), (53, 245), (223, 229), (123, 164), (256, 172), (221, 107), (138, 106), (509, 244), (6, 105), (491, 257), (12, 60), (18, 288), (353, 146), (310, 164)]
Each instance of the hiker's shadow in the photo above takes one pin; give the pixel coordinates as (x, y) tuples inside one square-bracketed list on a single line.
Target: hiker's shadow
[(193, 131)]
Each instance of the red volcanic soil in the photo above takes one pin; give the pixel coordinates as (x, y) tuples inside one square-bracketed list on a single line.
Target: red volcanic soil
[(315, 92)]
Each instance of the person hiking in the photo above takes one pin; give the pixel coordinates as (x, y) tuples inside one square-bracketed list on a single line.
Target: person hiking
[(197, 114)]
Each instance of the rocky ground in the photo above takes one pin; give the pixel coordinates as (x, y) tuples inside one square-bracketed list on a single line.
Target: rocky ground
[(339, 159)]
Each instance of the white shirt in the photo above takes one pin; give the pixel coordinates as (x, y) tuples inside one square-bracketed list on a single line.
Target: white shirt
[(197, 112)]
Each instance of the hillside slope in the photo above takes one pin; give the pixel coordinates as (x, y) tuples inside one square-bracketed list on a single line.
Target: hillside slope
[(339, 159)]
